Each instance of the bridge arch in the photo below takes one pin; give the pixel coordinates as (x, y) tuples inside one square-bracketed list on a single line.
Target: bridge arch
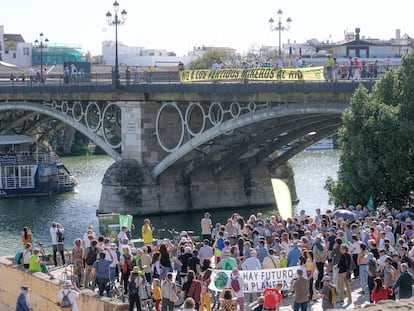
[(35, 107), (282, 110)]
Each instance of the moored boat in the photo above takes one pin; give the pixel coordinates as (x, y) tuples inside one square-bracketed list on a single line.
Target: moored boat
[(28, 168)]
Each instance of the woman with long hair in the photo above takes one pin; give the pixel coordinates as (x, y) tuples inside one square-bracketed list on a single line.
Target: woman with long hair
[(26, 236), (156, 266), (227, 302), (124, 259), (310, 271), (76, 259), (165, 261), (380, 292)]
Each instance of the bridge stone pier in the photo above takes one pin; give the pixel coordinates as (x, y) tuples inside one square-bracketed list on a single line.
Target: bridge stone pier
[(216, 145), (187, 147)]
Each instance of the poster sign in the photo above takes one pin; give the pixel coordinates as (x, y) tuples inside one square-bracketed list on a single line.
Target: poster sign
[(253, 74), (255, 281)]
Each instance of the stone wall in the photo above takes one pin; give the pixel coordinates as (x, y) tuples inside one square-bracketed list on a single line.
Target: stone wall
[(43, 292)]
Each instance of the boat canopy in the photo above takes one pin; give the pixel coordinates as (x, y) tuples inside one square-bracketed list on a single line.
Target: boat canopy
[(15, 139)]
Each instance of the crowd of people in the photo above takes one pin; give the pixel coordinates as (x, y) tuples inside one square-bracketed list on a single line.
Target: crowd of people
[(333, 249)]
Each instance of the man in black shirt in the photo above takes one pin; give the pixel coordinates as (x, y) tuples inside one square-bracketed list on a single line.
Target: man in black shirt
[(343, 280)]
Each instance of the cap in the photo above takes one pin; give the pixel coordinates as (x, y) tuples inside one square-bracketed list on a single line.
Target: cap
[(67, 283), (300, 272), (235, 269), (135, 270), (24, 287), (227, 253), (326, 278)]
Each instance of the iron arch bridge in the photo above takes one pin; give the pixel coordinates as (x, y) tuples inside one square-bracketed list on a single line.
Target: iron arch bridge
[(99, 121), (224, 135)]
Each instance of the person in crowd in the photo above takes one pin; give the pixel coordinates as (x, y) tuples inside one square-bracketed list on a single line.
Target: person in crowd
[(271, 261), (133, 290), (320, 255), (90, 255), (100, 271), (227, 263), (189, 304), (112, 255), (300, 288), (192, 288), (76, 259), (69, 290), (168, 288), (237, 290), (205, 251), (22, 303), (123, 236), (156, 293), (147, 231), (362, 261), (227, 301), (56, 233), (156, 266), (343, 278), (327, 303), (272, 297), (380, 291), (26, 236), (294, 254), (206, 225), (26, 255), (205, 295), (404, 283), (125, 260)]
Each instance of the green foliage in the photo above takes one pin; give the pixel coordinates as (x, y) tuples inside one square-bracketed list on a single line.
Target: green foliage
[(207, 60), (377, 142), (79, 148)]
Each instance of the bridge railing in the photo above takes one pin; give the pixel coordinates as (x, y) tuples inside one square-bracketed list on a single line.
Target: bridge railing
[(369, 72)]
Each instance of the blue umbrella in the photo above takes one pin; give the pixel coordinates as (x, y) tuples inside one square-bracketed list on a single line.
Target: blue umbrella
[(344, 214)]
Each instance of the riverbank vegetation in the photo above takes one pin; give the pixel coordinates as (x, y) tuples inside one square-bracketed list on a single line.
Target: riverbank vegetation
[(377, 142)]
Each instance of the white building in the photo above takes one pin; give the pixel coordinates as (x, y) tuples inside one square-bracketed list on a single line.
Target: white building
[(14, 50), (141, 57)]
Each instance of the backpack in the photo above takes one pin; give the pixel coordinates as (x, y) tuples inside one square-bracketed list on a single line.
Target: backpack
[(132, 288), (65, 304), (60, 236), (91, 256), (235, 284), (127, 265), (332, 294), (18, 257)]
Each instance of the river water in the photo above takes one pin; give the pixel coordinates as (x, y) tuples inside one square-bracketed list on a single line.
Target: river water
[(75, 211)]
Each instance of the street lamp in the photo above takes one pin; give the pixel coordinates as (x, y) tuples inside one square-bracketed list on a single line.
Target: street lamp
[(41, 44), (116, 21), (279, 27)]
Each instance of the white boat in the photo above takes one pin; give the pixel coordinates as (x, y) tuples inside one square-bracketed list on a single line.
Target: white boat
[(28, 168)]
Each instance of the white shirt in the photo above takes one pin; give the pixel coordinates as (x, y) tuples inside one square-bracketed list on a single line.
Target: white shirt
[(53, 234), (73, 295), (114, 257), (251, 263), (205, 252), (240, 293)]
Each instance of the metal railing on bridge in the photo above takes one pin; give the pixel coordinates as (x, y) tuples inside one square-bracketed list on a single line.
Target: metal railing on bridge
[(368, 73)]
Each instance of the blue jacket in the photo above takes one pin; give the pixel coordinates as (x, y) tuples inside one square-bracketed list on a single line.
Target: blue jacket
[(22, 304)]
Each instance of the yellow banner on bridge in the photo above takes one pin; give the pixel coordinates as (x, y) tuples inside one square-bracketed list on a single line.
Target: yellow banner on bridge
[(253, 74)]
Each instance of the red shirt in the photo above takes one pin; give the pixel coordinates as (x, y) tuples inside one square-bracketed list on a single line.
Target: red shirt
[(272, 297), (381, 294)]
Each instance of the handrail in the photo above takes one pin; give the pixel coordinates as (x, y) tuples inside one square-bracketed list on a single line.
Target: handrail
[(373, 72)]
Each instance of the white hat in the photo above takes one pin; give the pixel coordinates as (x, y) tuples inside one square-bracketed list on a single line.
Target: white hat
[(67, 283)]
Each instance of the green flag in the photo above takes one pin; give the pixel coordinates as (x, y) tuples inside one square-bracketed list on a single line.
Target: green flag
[(370, 204)]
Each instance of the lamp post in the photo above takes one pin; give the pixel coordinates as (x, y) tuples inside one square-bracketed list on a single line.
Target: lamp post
[(279, 27), (116, 21), (41, 44)]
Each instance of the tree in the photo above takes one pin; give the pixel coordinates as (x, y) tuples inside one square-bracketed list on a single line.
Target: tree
[(209, 57), (377, 142)]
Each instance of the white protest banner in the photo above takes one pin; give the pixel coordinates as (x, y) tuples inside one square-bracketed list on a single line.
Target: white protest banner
[(257, 280)]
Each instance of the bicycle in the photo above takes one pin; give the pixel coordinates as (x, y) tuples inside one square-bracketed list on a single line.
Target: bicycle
[(47, 257), (117, 292), (145, 295)]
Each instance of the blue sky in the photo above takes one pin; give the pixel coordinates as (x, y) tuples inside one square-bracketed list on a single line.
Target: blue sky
[(182, 24)]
